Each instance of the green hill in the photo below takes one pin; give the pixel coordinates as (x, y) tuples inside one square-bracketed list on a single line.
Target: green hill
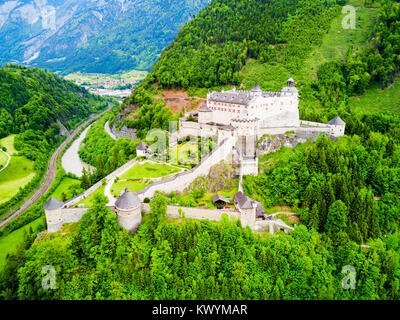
[(35, 99)]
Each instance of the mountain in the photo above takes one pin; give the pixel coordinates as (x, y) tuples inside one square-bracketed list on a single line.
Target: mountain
[(34, 99), (105, 36)]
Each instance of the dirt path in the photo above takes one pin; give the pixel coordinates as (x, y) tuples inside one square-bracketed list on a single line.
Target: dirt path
[(50, 172)]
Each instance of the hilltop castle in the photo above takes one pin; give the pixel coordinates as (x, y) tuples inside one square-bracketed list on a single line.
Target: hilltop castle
[(247, 116), (239, 120)]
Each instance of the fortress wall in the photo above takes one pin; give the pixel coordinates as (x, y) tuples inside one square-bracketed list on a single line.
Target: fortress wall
[(182, 180), (189, 128), (313, 124), (72, 215), (195, 213), (200, 213), (312, 132), (277, 130)]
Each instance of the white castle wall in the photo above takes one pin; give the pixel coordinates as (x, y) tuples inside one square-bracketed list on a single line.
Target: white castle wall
[(196, 213), (57, 218)]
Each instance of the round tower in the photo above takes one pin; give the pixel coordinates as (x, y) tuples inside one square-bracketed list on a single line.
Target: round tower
[(128, 209), (54, 216)]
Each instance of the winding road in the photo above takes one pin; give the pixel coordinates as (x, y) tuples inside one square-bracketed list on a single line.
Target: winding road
[(51, 171)]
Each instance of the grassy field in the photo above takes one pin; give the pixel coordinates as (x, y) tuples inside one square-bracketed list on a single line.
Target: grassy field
[(88, 202), (137, 177), (9, 243), (65, 188), (334, 46), (378, 100), (183, 152), (132, 185), (18, 174), (337, 41), (148, 170), (8, 142)]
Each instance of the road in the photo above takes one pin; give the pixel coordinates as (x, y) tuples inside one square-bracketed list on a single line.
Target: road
[(8, 161), (51, 171)]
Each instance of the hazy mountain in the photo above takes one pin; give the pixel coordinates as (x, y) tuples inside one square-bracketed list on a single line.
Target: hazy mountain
[(90, 35)]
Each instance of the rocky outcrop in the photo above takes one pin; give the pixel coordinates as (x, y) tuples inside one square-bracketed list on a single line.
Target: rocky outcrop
[(221, 177), (269, 144)]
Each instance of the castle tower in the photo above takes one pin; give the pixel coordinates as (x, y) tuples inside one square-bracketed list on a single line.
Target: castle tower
[(256, 90), (205, 114), (247, 208), (54, 217), (128, 209), (290, 87), (338, 127)]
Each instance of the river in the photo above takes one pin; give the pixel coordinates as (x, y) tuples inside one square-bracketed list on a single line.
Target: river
[(71, 161)]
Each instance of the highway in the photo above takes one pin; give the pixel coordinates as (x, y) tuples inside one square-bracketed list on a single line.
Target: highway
[(51, 171)]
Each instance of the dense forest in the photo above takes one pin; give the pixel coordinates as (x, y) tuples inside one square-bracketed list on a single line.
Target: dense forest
[(335, 184), (34, 99), (197, 260)]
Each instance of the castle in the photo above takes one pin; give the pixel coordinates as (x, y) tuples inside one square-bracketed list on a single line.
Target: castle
[(247, 116), (238, 120)]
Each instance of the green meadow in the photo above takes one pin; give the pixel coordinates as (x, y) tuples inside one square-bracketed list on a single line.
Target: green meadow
[(338, 41), (8, 142), (18, 174), (138, 177), (64, 190), (9, 243), (148, 170), (132, 185), (376, 100)]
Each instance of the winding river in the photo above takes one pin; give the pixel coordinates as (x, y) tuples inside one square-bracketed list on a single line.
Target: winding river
[(71, 161)]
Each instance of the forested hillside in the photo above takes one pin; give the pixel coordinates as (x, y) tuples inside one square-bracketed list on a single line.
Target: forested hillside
[(210, 52), (33, 103), (33, 99)]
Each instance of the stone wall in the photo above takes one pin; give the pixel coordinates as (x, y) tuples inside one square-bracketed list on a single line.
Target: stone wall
[(124, 132), (72, 215), (196, 213)]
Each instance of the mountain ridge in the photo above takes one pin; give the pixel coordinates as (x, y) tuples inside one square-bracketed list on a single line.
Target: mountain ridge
[(86, 36)]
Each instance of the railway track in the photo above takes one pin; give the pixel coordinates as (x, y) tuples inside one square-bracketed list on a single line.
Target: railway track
[(51, 171)]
